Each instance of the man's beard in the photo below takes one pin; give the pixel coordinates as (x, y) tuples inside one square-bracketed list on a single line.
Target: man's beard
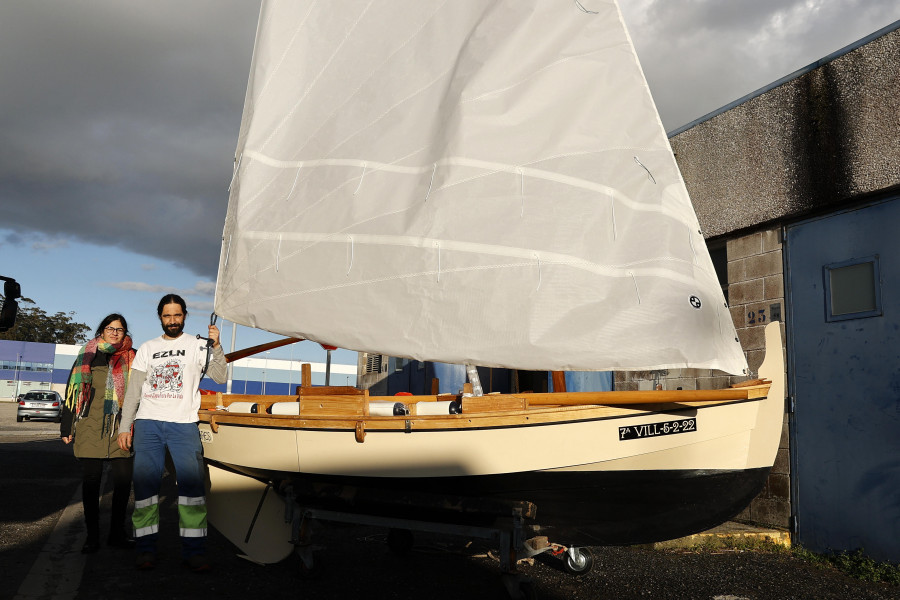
[(173, 330)]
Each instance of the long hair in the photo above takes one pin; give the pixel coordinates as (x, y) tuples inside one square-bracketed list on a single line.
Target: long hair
[(109, 319), (171, 299)]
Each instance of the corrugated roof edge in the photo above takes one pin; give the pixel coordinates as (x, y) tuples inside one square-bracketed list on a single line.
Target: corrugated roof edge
[(799, 72)]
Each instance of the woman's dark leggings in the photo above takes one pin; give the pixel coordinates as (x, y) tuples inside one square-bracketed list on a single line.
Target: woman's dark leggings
[(120, 469)]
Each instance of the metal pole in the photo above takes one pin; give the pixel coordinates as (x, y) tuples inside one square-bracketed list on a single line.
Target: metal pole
[(472, 372), (231, 365), (265, 368), (291, 370), (328, 367)]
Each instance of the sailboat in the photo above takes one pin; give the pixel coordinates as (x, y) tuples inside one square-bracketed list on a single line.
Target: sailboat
[(476, 183)]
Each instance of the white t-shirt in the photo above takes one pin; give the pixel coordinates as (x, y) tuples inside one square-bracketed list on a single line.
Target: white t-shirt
[(171, 389)]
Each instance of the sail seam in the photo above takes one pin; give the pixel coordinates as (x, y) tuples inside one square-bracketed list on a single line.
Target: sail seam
[(492, 167), (530, 263), (535, 173)]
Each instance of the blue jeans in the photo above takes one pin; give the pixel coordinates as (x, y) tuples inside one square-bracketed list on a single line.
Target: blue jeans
[(151, 438)]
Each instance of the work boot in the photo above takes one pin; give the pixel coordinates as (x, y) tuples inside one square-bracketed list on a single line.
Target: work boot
[(197, 563), (145, 561)]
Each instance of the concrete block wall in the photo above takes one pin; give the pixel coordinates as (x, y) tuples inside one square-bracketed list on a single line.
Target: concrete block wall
[(755, 292), (755, 298)]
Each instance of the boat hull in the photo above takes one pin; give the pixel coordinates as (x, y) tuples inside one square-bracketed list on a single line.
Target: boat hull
[(582, 508), (597, 475)]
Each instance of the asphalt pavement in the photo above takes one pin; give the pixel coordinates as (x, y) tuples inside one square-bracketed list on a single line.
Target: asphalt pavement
[(41, 533)]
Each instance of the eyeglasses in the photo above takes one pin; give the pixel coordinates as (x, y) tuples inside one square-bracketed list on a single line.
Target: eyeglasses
[(114, 330)]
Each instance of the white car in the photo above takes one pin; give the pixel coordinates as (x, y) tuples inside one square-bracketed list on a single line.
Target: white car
[(39, 404)]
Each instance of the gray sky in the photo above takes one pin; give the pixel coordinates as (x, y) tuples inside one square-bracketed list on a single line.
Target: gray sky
[(126, 109), (119, 118)]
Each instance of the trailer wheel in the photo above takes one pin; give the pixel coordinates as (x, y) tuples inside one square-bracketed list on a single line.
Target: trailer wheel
[(578, 561)]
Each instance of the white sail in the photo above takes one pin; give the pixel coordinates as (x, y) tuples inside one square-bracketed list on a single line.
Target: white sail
[(475, 181)]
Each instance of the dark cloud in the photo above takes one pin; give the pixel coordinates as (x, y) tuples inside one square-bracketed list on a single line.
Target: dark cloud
[(699, 55), (118, 121)]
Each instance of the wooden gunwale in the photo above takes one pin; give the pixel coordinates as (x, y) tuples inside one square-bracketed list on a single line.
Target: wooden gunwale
[(566, 407)]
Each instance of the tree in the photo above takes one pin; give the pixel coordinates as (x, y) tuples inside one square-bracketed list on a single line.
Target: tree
[(35, 325)]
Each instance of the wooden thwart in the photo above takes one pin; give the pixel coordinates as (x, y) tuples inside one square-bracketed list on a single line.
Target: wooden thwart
[(477, 404)]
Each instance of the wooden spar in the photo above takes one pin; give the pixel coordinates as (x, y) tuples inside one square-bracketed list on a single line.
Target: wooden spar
[(239, 354), (648, 397), (559, 381), (506, 402)]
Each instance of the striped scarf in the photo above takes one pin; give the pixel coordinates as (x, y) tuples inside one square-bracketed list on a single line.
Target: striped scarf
[(79, 392)]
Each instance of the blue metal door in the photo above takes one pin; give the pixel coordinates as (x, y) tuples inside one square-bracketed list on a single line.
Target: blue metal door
[(843, 291)]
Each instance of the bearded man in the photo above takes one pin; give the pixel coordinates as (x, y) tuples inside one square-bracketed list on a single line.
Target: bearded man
[(162, 401)]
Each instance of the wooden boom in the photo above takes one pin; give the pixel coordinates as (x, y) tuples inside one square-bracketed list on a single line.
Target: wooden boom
[(239, 354)]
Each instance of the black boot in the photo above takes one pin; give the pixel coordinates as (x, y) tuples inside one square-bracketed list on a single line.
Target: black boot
[(90, 500), (119, 531), (120, 538)]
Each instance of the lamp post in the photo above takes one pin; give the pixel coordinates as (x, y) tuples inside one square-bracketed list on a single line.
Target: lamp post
[(16, 377), (265, 368)]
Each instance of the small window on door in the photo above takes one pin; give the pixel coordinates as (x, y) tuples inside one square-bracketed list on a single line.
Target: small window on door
[(852, 289)]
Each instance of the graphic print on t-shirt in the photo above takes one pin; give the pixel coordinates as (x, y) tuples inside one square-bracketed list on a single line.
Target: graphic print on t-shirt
[(167, 377)]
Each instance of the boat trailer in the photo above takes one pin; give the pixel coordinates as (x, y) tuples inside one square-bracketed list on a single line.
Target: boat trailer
[(499, 521)]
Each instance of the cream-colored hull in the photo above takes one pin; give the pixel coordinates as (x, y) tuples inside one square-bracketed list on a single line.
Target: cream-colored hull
[(723, 440), (495, 452)]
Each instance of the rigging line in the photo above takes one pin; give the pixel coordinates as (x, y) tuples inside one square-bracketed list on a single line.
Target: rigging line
[(436, 80), (277, 252), (612, 208), (227, 252), (438, 246), (583, 9), (540, 273), (433, 171), (636, 290), (338, 108), (649, 174), (273, 71), (350, 266), (532, 74), (315, 80), (234, 173), (691, 238), (719, 319), (296, 177), (521, 189), (361, 177)]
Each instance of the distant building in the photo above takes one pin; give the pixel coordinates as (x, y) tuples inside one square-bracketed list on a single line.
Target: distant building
[(28, 366)]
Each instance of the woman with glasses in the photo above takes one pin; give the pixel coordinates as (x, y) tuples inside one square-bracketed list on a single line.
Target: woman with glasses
[(90, 422)]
